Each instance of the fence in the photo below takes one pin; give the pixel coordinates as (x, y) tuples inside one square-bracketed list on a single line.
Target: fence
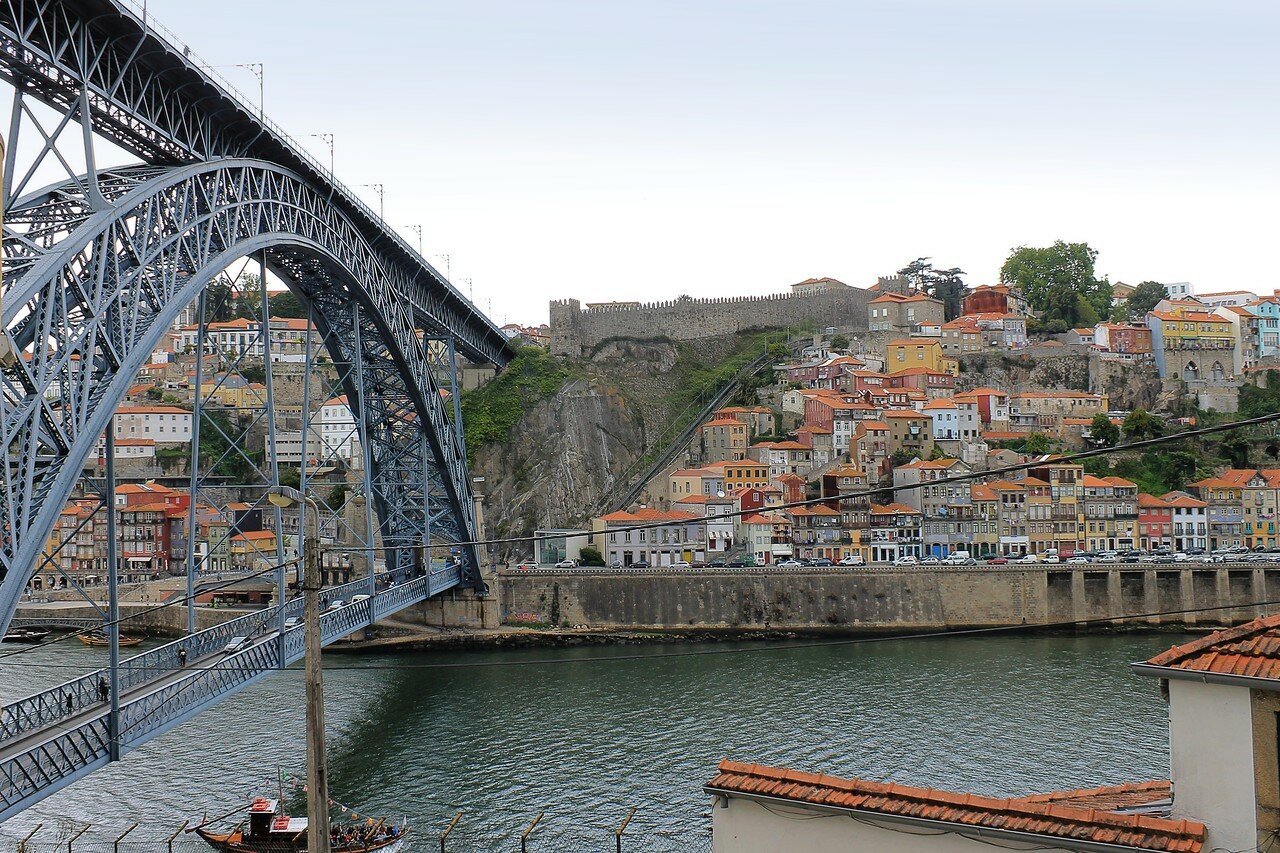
[(540, 834)]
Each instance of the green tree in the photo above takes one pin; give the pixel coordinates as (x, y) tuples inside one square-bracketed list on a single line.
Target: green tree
[(947, 286), (1037, 444), (1104, 432), (1059, 282), (591, 556), (1139, 424), (1144, 298), (839, 342), (287, 304)]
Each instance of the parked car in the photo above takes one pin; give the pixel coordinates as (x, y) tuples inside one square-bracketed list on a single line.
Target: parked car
[(1108, 557), (616, 564), (236, 644), (821, 562), (1050, 558), (567, 564), (1027, 558), (791, 564), (640, 564), (908, 560), (292, 622), (717, 563), (853, 560), (930, 561), (1078, 561), (736, 564), (682, 564), (526, 566), (997, 561)]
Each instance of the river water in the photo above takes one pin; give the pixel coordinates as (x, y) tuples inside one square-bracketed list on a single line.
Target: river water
[(503, 735)]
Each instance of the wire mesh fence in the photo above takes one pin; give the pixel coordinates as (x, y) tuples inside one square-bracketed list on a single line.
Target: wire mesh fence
[(562, 834)]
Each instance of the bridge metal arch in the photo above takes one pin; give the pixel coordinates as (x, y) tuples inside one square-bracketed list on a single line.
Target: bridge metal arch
[(92, 291)]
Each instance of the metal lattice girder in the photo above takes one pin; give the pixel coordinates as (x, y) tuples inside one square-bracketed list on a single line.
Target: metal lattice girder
[(77, 739), (147, 96), (89, 308)]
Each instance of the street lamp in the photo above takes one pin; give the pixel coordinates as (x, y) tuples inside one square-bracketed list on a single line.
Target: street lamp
[(286, 497), (381, 191), (327, 139)]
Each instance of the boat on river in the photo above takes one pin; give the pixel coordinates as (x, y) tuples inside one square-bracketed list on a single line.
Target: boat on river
[(98, 638), (269, 830), (26, 635)]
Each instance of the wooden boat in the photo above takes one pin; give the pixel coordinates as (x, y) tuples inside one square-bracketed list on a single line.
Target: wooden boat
[(100, 639), (269, 830), (26, 635)]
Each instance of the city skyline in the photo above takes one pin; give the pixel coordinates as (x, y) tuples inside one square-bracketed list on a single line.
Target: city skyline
[(719, 149)]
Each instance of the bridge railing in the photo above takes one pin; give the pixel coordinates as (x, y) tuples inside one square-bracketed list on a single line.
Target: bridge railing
[(74, 751), (72, 697), (181, 48)]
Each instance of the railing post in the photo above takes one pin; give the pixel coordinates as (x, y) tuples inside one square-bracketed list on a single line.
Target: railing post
[(116, 847), (617, 834), (444, 836), (22, 845), (72, 839), (524, 836), (169, 841)]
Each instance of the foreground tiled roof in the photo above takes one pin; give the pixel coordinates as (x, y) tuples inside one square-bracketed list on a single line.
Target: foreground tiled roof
[(1111, 798), (1251, 649), (1022, 815)]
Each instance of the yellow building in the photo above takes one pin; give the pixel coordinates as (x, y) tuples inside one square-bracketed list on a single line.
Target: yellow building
[(905, 353), (247, 548), (1192, 343), (250, 396), (746, 474)]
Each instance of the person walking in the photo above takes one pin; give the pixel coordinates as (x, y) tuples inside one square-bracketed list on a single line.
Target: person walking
[(182, 656), (104, 689), (71, 704)]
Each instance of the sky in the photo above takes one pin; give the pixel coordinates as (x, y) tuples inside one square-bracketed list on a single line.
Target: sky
[(644, 150)]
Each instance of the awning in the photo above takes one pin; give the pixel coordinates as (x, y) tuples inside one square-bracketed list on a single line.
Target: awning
[(139, 559)]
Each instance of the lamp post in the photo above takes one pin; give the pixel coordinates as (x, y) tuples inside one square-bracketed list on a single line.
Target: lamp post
[(381, 191), (327, 139), (317, 775)]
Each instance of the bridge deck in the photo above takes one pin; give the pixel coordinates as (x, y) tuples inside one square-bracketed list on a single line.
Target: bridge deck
[(48, 742)]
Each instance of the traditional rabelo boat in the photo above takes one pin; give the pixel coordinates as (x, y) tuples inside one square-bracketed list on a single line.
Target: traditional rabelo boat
[(99, 639), (270, 830)]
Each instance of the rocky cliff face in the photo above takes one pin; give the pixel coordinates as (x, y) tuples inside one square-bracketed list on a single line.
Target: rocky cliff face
[(564, 453)]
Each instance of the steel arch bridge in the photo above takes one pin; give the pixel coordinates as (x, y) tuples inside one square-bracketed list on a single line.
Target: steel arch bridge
[(97, 268)]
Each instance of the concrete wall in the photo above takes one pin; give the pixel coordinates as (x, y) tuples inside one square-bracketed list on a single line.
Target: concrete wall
[(879, 599), (749, 827), (575, 330), (1211, 742)]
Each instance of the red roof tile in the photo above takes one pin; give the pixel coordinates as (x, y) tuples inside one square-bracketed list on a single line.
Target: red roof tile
[(1041, 817), (1127, 796), (1251, 649)]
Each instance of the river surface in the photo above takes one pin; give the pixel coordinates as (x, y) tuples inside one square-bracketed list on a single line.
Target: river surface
[(503, 735)]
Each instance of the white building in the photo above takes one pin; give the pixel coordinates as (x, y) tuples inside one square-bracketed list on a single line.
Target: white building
[(719, 525), (161, 424), (339, 437), (675, 536), (234, 338), (1222, 795), (1190, 521)]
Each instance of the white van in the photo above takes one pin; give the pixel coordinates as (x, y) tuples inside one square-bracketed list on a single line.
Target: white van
[(959, 558)]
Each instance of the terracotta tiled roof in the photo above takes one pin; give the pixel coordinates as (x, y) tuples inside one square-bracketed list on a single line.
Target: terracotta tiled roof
[(1121, 482), (1113, 797), (1189, 317), (940, 404), (1151, 502), (1182, 500), (894, 508), (1022, 815), (979, 492), (1251, 649)]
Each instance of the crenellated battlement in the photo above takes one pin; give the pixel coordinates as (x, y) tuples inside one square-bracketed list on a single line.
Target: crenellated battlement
[(576, 328)]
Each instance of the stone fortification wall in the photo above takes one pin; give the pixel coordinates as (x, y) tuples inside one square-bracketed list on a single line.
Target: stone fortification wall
[(576, 331), (882, 599)]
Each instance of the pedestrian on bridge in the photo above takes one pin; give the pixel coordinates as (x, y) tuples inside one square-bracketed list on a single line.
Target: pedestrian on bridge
[(182, 656), (71, 704), (104, 689)]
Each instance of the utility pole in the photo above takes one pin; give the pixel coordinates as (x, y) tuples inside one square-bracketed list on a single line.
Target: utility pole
[(317, 773)]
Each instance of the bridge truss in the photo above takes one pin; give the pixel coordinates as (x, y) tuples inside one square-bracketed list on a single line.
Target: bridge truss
[(99, 264)]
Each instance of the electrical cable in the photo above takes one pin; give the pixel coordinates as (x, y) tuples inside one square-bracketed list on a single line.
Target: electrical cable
[(871, 492), (771, 647)]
